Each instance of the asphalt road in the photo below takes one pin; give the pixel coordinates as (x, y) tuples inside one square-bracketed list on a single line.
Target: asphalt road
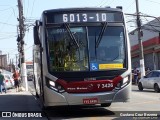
[(142, 102)]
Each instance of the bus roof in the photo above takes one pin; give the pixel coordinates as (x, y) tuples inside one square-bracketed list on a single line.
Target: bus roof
[(84, 9)]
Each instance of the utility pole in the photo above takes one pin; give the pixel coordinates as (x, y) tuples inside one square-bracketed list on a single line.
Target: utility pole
[(21, 37), (141, 56), (8, 63), (16, 60), (1, 61)]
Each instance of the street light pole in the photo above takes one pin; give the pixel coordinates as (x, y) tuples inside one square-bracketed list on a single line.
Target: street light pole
[(141, 56)]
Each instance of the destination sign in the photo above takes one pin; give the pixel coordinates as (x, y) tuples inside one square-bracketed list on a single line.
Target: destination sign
[(84, 17)]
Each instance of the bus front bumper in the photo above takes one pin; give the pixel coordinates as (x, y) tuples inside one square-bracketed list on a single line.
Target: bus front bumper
[(53, 98)]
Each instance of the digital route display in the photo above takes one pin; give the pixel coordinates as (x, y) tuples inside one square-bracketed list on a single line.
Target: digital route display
[(84, 17)]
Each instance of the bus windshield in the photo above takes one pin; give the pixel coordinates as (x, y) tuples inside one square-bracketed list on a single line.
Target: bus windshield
[(64, 55), (107, 52), (89, 53)]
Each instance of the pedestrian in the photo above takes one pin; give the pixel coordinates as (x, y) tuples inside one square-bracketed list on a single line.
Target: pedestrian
[(16, 80), (148, 70), (136, 76), (2, 84)]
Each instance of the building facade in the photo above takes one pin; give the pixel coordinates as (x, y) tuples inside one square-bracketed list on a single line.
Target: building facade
[(151, 45), (3, 60)]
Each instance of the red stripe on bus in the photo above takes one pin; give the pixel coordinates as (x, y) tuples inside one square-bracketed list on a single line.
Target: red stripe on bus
[(89, 86)]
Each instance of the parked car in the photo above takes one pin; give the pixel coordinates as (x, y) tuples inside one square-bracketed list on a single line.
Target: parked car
[(9, 82), (150, 81)]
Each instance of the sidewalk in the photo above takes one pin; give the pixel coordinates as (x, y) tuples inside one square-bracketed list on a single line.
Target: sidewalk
[(19, 102)]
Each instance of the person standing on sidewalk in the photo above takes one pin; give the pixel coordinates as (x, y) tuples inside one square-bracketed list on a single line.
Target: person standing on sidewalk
[(2, 84), (16, 80), (136, 76), (148, 70)]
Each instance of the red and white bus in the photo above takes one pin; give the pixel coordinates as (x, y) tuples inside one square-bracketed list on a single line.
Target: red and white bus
[(82, 57)]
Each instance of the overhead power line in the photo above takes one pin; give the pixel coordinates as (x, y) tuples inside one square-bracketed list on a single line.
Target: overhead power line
[(32, 7), (141, 14), (144, 15), (153, 1), (130, 5), (9, 37), (8, 24)]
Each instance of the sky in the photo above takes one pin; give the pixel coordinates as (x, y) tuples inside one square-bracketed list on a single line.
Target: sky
[(32, 10)]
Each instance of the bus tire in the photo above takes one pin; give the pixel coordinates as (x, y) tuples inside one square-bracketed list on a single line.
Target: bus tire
[(140, 87), (37, 96), (156, 88), (42, 106), (45, 107), (105, 104)]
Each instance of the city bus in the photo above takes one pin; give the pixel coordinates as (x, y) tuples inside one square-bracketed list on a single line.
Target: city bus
[(68, 66)]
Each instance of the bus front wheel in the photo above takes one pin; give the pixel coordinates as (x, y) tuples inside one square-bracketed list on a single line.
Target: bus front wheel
[(37, 96), (105, 104)]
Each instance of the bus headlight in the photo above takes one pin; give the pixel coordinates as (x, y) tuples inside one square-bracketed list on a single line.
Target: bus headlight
[(125, 80), (54, 86), (122, 83), (52, 83)]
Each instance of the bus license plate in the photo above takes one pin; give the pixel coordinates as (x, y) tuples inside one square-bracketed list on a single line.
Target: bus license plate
[(90, 101)]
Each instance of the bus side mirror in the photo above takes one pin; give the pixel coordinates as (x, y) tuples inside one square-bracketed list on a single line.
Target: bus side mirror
[(41, 49), (36, 35)]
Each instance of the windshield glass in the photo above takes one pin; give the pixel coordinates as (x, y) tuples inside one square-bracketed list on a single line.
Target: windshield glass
[(108, 52), (70, 49), (64, 54)]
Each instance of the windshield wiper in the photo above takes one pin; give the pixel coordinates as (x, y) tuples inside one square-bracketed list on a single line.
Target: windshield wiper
[(71, 35), (101, 33)]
